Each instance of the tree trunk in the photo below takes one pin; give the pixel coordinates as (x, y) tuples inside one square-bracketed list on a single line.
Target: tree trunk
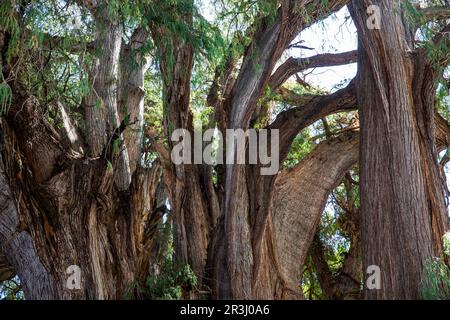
[(85, 199), (243, 258), (18, 248), (293, 220), (71, 219), (67, 206), (402, 196), (188, 185), (300, 198)]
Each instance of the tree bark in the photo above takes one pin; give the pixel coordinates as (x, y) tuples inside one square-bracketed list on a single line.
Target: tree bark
[(300, 198), (186, 184), (402, 196), (92, 204), (18, 250), (64, 207), (243, 256)]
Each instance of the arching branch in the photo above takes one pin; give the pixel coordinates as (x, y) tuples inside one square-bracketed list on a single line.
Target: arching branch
[(308, 110), (438, 13), (270, 41), (295, 65), (300, 197)]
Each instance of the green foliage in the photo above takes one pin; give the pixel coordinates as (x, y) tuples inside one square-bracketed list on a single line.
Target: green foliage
[(172, 17), (436, 276), (5, 98), (319, 8), (437, 50), (336, 233), (153, 102), (240, 14), (49, 67), (109, 166), (9, 23), (202, 116), (447, 244), (173, 278), (335, 240), (310, 283), (11, 290), (436, 280), (169, 280), (300, 148), (170, 283)]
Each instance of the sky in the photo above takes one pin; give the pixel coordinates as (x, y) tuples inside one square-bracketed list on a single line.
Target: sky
[(335, 34)]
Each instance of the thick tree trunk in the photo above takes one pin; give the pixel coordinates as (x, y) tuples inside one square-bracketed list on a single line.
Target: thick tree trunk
[(71, 219), (402, 194), (186, 185), (134, 64), (91, 204), (65, 207), (18, 248), (300, 198), (6, 269), (243, 257), (66, 214)]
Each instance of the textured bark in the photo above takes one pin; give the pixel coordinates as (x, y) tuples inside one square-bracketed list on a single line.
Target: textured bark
[(187, 193), (402, 193), (18, 250), (131, 95), (243, 257), (100, 106), (6, 269), (64, 207), (246, 236), (300, 197), (71, 220)]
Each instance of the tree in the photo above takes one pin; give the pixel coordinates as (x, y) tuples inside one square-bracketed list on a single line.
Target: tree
[(76, 198), (86, 172), (399, 158)]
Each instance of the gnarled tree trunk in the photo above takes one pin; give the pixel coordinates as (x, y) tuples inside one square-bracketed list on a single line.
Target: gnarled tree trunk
[(402, 193), (70, 206)]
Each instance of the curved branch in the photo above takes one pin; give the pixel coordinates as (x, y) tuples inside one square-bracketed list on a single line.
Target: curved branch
[(438, 13), (310, 109), (295, 65), (301, 193), (270, 41), (300, 197)]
